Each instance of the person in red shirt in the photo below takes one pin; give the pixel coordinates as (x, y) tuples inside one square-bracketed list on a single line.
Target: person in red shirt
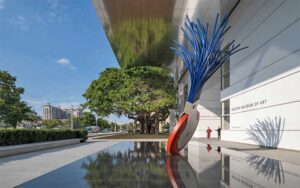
[(208, 131)]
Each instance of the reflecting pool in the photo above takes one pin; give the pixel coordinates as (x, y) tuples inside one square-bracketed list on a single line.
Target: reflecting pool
[(145, 164)]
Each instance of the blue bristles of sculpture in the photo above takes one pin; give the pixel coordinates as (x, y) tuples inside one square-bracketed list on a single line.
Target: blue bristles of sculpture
[(203, 55)]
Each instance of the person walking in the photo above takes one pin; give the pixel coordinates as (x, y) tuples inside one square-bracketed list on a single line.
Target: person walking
[(208, 131), (219, 132)]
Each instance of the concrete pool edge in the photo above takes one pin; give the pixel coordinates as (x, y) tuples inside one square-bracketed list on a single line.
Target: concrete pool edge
[(6, 151), (18, 169)]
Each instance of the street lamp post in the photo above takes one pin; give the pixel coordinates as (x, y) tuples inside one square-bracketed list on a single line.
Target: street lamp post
[(96, 120), (71, 121), (72, 117)]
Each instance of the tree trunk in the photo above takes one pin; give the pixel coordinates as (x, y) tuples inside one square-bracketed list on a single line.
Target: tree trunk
[(134, 126), (142, 127), (149, 127), (145, 124), (141, 120), (156, 123)]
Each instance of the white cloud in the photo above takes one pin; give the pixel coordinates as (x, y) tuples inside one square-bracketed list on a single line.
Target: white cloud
[(65, 62), (57, 12), (19, 22), (2, 4), (38, 19), (53, 3)]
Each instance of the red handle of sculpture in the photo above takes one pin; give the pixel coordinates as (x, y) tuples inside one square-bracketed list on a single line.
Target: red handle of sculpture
[(172, 146), (183, 130)]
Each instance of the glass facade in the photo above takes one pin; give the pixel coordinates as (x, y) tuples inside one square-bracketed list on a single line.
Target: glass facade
[(226, 114), (225, 74), (226, 169), (186, 92)]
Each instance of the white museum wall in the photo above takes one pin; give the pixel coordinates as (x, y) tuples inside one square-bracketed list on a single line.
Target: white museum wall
[(265, 78)]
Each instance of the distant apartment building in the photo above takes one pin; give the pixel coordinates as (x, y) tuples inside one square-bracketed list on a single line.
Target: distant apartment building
[(53, 112), (76, 112)]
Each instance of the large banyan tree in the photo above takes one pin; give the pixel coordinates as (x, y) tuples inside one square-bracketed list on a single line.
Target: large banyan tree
[(142, 93)]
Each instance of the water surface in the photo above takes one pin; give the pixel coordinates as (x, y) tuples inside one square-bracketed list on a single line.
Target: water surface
[(146, 164)]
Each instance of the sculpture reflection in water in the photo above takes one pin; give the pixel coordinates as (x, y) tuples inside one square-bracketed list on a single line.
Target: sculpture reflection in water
[(142, 165), (270, 168), (180, 172), (268, 132)]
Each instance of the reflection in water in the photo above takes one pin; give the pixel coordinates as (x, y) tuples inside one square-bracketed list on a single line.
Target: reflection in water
[(180, 172), (145, 164), (270, 168), (140, 32), (208, 147), (142, 165), (226, 169), (142, 41)]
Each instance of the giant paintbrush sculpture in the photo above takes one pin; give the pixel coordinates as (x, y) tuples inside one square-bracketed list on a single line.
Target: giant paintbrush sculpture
[(202, 56)]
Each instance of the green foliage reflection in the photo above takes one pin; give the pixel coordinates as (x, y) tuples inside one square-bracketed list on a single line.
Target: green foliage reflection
[(142, 42), (141, 166)]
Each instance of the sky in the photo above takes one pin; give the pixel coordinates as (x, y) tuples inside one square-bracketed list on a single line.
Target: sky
[(55, 48)]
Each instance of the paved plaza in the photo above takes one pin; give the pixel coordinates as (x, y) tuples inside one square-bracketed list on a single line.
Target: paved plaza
[(290, 156)]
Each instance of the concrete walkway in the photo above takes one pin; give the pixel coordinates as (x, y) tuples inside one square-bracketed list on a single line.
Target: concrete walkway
[(15, 170), (92, 135), (289, 156)]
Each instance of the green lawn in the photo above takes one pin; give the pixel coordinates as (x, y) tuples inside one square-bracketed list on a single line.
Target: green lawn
[(135, 136)]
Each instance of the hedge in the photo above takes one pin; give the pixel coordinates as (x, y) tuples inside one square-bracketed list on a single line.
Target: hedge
[(25, 136)]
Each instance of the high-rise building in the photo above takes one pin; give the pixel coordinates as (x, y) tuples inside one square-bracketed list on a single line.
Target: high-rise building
[(53, 112), (75, 112)]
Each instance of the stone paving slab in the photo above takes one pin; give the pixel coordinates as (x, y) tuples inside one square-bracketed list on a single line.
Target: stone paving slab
[(290, 156), (15, 170)]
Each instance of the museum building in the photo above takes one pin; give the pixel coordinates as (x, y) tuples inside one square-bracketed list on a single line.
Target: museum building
[(255, 96)]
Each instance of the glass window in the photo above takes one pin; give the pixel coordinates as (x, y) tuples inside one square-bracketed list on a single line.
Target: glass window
[(225, 74), (185, 92), (225, 121), (226, 114), (226, 169)]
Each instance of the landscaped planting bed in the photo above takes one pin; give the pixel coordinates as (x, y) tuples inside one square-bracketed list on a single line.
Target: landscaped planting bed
[(26, 136)]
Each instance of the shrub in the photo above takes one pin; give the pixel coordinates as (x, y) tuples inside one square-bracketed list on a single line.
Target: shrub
[(25, 136), (130, 131), (166, 128)]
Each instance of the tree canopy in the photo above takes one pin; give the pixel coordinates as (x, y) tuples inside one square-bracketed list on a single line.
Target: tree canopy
[(52, 123), (143, 93), (88, 119), (12, 108)]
